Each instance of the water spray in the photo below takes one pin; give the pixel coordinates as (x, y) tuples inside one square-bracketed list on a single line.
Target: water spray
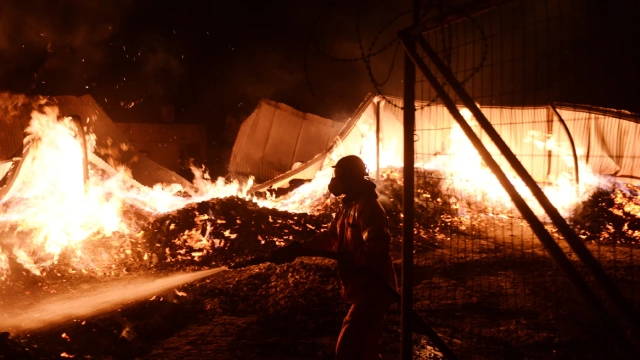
[(52, 311)]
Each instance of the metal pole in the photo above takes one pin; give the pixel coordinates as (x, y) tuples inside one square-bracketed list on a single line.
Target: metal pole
[(377, 116), (599, 311), (549, 150), (406, 349), (573, 146)]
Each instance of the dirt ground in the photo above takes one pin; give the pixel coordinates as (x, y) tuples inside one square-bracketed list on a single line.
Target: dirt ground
[(293, 311)]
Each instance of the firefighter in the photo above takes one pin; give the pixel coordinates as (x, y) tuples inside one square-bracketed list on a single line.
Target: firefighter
[(359, 233)]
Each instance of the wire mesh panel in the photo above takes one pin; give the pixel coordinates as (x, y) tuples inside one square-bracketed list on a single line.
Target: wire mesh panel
[(481, 275)]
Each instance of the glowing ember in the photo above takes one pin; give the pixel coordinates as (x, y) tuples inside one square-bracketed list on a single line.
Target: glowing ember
[(4, 265), (610, 216), (627, 201)]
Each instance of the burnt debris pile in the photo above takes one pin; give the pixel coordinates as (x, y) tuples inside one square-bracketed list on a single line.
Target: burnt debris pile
[(610, 216)]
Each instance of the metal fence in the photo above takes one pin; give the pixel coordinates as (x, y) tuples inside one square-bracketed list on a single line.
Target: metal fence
[(481, 273)]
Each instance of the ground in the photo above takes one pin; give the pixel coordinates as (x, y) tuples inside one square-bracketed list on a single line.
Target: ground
[(487, 286)]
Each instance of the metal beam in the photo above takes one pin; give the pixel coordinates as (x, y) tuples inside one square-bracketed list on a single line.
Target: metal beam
[(409, 119), (376, 114), (573, 145)]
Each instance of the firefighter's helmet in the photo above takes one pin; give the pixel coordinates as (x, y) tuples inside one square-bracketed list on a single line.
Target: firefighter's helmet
[(350, 166)]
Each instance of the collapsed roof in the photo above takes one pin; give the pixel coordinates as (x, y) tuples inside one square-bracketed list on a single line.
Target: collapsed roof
[(276, 138), (604, 139)]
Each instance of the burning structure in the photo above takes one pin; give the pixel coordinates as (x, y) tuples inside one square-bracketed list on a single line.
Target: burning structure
[(570, 150), (107, 223), (86, 208)]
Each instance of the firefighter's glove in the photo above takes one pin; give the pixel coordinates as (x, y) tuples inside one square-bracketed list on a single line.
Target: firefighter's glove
[(285, 254)]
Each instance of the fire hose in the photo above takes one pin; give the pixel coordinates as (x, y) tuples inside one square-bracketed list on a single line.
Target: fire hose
[(423, 326)]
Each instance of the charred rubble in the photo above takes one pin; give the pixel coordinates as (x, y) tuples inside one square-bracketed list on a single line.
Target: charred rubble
[(610, 216)]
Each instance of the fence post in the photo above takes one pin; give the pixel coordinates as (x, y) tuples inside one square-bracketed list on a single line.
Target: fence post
[(377, 116), (409, 118)]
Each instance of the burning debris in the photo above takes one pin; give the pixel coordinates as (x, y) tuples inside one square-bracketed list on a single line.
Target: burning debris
[(222, 230), (610, 216), (51, 202), (107, 222)]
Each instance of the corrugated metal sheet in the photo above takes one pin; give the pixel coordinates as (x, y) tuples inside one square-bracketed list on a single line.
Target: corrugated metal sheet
[(434, 127), (248, 150), (108, 138), (275, 137), (605, 140), (348, 140), (608, 139), (305, 171)]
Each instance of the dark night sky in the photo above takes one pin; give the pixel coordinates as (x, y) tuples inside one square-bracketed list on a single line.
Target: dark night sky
[(213, 60), (219, 56)]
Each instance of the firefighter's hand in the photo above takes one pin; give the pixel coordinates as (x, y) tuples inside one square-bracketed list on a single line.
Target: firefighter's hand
[(285, 254)]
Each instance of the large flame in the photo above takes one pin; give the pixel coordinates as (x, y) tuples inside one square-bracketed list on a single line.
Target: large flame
[(47, 205), (50, 208), (475, 183)]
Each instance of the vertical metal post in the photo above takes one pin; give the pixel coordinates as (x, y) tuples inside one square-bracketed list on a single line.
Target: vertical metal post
[(549, 150), (576, 168), (377, 116), (406, 349)]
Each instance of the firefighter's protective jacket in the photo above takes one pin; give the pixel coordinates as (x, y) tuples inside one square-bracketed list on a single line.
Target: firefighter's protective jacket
[(359, 232)]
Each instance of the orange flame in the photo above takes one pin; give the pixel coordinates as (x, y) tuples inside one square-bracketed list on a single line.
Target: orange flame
[(49, 208), (476, 184)]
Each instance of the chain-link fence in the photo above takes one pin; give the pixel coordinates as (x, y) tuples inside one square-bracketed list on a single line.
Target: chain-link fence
[(536, 70)]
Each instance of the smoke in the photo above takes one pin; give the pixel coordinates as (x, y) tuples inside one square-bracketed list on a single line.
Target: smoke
[(10, 104), (74, 22), (66, 38), (160, 63), (125, 50)]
